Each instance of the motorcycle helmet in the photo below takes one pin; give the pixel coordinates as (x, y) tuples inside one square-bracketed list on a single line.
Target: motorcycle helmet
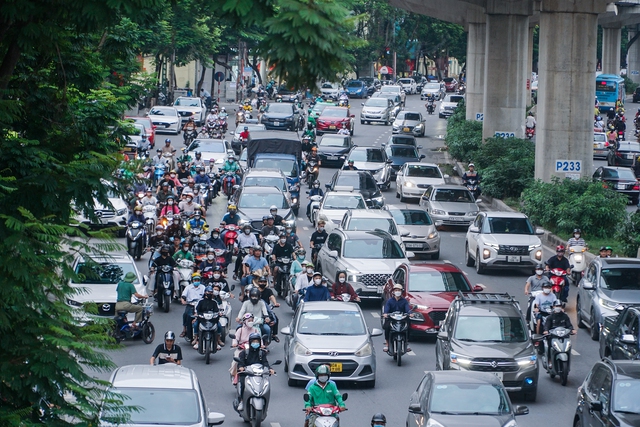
[(246, 128), (282, 234), (137, 209), (314, 149), (208, 290), (231, 157), (186, 242), (577, 230), (198, 154), (255, 336), (210, 250), (171, 197), (273, 208), (166, 140), (254, 295), (247, 316), (539, 266), (159, 150), (217, 267), (231, 208), (169, 336), (165, 249), (246, 226), (301, 251), (215, 230), (378, 419), (257, 248), (269, 216), (559, 248), (265, 217), (149, 190), (196, 275), (159, 227), (322, 370)]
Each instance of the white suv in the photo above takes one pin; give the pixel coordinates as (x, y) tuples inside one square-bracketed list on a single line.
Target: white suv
[(502, 240)]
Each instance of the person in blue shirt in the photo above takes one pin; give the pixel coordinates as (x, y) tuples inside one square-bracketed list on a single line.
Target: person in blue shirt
[(317, 292), (201, 177), (136, 215), (232, 216), (397, 303), (315, 191)]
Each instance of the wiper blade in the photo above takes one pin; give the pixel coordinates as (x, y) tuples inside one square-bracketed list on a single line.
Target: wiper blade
[(626, 412), (449, 413), (466, 339)]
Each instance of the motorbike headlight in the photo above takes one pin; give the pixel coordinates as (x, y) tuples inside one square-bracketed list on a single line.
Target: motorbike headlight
[(364, 351), (556, 346), (437, 212), (612, 305), (301, 350), (121, 211), (459, 360), (578, 257), (294, 200), (527, 361)]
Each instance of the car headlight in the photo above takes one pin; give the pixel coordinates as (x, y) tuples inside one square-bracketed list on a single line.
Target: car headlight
[(459, 360), (418, 126), (438, 212), (422, 307), (74, 303), (527, 361), (472, 213), (409, 184), (433, 423), (363, 351), (511, 423), (612, 305), (378, 199), (289, 119), (301, 350), (219, 161), (121, 211), (433, 235), (538, 255)]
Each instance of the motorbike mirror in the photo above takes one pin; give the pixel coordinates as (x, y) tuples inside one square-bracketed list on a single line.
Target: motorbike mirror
[(521, 410), (232, 336), (572, 266), (362, 103), (345, 396), (285, 331), (233, 286), (215, 418), (307, 192), (305, 397), (537, 337)]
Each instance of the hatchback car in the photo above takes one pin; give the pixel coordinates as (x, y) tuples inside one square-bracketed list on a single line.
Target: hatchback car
[(409, 122), (624, 155), (402, 139), (413, 178), (377, 110), (450, 205), (163, 395), (330, 90), (356, 89), (281, 116), (254, 202), (461, 399), (607, 285), (335, 204), (448, 105), (400, 155), (423, 238), (272, 178), (332, 119), (450, 84), (333, 149), (396, 90), (361, 181), (600, 145), (622, 180), (373, 160), (430, 288), (165, 119), (330, 333)]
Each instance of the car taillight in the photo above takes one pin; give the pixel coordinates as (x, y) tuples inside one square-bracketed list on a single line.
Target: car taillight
[(618, 154), (636, 187)]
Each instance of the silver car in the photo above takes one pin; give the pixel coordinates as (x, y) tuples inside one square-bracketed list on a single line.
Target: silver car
[(434, 89), (165, 119), (377, 110), (330, 333), (450, 205), (422, 239), (375, 161), (410, 122)]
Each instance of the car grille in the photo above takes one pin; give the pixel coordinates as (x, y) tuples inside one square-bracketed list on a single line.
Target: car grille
[(257, 224), (456, 213), (513, 250), (374, 279), (185, 113), (166, 125), (424, 185), (348, 366), (437, 316), (105, 214), (493, 365), (106, 308)]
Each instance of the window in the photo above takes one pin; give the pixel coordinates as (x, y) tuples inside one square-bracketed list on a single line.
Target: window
[(490, 329), (617, 279), (630, 324), (471, 399), (423, 391), (263, 181), (188, 102), (279, 108), (408, 152), (398, 277), (335, 112), (625, 399), (591, 274), (594, 383), (373, 249), (420, 171), (334, 141), (160, 406), (333, 242), (411, 217), (339, 201), (451, 195), (501, 225), (436, 281), (104, 273), (365, 224), (368, 155), (262, 200), (331, 322)]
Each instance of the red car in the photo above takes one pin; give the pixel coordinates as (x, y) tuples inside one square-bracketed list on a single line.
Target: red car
[(431, 287), (149, 127), (332, 119), (450, 84)]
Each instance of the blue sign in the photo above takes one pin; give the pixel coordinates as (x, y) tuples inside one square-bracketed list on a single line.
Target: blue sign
[(479, 117), (219, 76), (568, 165)]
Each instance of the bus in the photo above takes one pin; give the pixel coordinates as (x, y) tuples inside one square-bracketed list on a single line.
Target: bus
[(609, 88)]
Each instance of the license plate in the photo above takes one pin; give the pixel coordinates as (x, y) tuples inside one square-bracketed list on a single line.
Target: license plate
[(500, 375), (335, 367), (595, 146), (405, 129), (629, 156), (513, 259), (332, 127), (332, 158), (276, 123), (379, 290), (413, 245), (454, 218), (622, 187)]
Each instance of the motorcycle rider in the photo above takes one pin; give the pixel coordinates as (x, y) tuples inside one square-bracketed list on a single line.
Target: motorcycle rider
[(190, 187), (305, 277), (164, 191), (317, 292), (159, 239), (218, 281), (531, 121), (350, 166), (209, 263), (535, 283), (258, 308), (277, 219), (310, 132), (183, 172), (471, 174), (269, 299), (168, 148), (208, 303), (317, 239), (292, 238), (190, 126), (558, 318), (315, 191), (561, 262), (199, 248), (230, 165), (187, 206), (125, 290), (190, 297), (242, 338), (136, 216), (215, 241), (244, 135), (170, 208), (268, 229), (198, 162), (341, 286), (201, 177), (149, 199), (576, 239), (166, 179), (231, 217), (296, 265), (314, 157), (603, 252), (184, 252), (174, 229), (282, 249), (245, 240), (197, 221), (322, 392), (379, 420), (253, 355), (397, 303), (251, 264), (169, 352), (543, 303)]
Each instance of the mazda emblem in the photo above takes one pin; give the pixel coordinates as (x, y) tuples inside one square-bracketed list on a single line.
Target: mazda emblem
[(333, 353), (106, 307), (494, 364)]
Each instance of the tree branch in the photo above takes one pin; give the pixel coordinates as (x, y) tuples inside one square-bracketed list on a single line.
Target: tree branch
[(9, 62)]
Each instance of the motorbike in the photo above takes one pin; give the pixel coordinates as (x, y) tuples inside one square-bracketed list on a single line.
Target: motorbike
[(326, 415), (398, 335), (185, 269), (343, 297), (240, 117), (257, 390), (284, 267), (269, 242), (158, 172), (164, 287), (150, 219), (195, 234), (307, 143), (529, 132), (208, 334), (136, 239), (557, 276), (189, 335), (472, 186), (189, 136), (204, 193), (169, 160), (228, 183), (311, 172), (533, 323), (578, 262), (431, 107), (230, 236), (315, 206), (556, 358), (123, 330), (314, 252), (225, 314)]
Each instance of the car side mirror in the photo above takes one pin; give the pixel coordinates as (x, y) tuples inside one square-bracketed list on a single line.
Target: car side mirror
[(478, 288), (376, 332), (521, 410), (446, 176), (333, 254), (478, 200), (362, 103), (215, 418), (473, 229), (415, 408), (327, 186), (539, 232), (410, 254), (586, 285), (388, 160), (443, 335), (628, 339), (419, 147), (403, 232), (595, 406), (422, 156), (285, 331)]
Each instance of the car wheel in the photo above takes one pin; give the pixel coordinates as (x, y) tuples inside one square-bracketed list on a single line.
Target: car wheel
[(292, 382), (402, 198), (361, 122), (397, 195), (436, 255), (370, 384), (386, 121), (594, 331), (286, 365), (479, 267), (470, 261), (581, 325), (440, 116)]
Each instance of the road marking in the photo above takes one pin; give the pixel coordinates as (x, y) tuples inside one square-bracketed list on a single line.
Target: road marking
[(575, 353), (275, 424), (375, 314), (305, 228), (411, 353)]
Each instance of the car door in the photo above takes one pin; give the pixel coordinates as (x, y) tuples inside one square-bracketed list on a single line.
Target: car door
[(600, 392), (629, 326), (472, 237), (425, 200), (443, 357), (420, 397), (330, 265), (587, 295)]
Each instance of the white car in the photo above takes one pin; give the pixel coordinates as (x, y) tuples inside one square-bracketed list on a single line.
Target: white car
[(395, 89), (408, 85), (330, 90), (191, 107), (415, 177), (218, 149), (502, 240), (409, 122), (449, 105), (165, 119), (373, 219), (434, 89), (335, 204), (115, 215)]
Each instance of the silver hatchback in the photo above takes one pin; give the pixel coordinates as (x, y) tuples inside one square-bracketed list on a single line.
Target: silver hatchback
[(450, 205), (330, 333)]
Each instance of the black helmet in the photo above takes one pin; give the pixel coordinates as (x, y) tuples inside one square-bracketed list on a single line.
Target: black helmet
[(378, 418), (217, 268), (576, 230), (255, 336), (167, 140), (539, 266), (282, 234), (557, 303), (165, 249), (170, 336), (254, 293), (198, 154)]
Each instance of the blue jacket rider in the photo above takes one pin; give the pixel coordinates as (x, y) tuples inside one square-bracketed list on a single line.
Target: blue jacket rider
[(136, 215), (202, 178), (215, 241), (315, 191), (196, 222)]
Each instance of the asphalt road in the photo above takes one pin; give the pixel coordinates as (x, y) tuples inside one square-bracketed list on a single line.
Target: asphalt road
[(555, 404)]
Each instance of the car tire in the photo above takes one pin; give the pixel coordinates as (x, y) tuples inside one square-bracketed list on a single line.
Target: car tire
[(361, 122), (286, 365), (440, 116), (397, 194), (594, 331), (386, 121), (581, 325), (470, 261), (479, 267), (436, 255), (402, 198), (370, 384)]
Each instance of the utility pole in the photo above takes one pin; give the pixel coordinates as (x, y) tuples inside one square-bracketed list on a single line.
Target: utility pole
[(395, 69)]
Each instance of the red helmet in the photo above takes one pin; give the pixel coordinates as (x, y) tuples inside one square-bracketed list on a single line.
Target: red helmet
[(559, 248)]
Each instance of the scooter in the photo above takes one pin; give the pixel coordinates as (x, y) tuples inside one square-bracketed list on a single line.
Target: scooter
[(578, 261), (284, 267), (472, 186), (135, 239), (431, 107), (208, 334), (185, 269), (221, 258), (398, 335), (326, 415), (228, 183), (311, 172), (164, 287), (150, 219), (189, 136), (315, 207), (268, 245), (557, 276), (556, 358), (230, 236), (529, 132), (124, 331), (257, 391), (225, 314)]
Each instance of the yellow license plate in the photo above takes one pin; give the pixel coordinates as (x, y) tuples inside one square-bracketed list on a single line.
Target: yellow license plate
[(332, 127), (335, 367), (406, 129), (595, 146)]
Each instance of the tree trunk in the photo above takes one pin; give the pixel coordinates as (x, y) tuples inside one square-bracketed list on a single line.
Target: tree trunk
[(254, 66), (201, 81), (9, 62)]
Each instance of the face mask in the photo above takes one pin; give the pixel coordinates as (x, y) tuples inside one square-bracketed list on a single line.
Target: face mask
[(262, 285), (317, 281), (283, 240), (159, 233), (249, 324), (216, 293), (207, 296), (289, 231), (255, 345), (300, 258), (577, 236), (398, 293), (547, 291), (309, 270), (170, 202), (202, 173), (247, 232), (321, 229), (216, 276), (316, 186), (254, 300), (185, 248), (196, 284), (557, 309), (539, 272), (210, 257), (215, 236), (173, 175), (323, 378), (342, 280), (189, 199)]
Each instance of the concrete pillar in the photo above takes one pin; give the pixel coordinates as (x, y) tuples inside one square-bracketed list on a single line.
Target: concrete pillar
[(505, 67), (529, 66), (476, 38), (611, 50), (567, 60), (633, 58)]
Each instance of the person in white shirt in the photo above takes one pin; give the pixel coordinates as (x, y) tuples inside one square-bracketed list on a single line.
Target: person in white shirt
[(191, 295), (305, 278), (543, 303), (246, 240), (531, 121)]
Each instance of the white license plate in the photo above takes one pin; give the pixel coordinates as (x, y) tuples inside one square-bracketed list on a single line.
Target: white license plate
[(379, 290), (455, 218), (629, 156), (276, 123), (332, 158), (513, 259), (500, 375), (622, 186), (413, 245), (332, 127)]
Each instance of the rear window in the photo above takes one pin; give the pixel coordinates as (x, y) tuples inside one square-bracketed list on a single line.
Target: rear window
[(616, 279), (411, 217), (456, 99), (369, 155), (360, 181), (626, 174), (629, 146)]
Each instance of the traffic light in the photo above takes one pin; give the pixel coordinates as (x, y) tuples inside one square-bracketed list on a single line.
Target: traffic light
[(387, 50)]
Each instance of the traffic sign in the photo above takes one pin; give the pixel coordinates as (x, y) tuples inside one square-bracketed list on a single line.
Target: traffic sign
[(479, 117), (219, 76), (568, 165)]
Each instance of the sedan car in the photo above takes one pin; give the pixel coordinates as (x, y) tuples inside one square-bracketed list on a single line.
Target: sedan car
[(368, 257), (452, 205), (408, 85), (377, 110), (332, 119), (433, 89), (319, 107), (600, 145), (330, 90), (334, 205), (254, 202), (414, 177), (401, 154), (409, 122), (191, 107), (422, 239), (280, 116), (402, 139), (165, 119), (238, 145), (395, 89), (329, 333), (394, 97), (356, 89), (333, 149), (149, 127), (218, 149), (373, 160), (460, 399), (624, 155), (449, 104), (450, 84), (360, 181), (257, 177), (622, 180)]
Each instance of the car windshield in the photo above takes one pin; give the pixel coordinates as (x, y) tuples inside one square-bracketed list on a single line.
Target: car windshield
[(343, 201), (335, 112), (279, 108), (208, 146), (251, 200), (104, 273), (616, 279), (403, 152), (599, 137), (436, 281), (159, 111), (265, 181), (455, 98), (369, 224), (367, 155), (390, 89), (625, 399), (331, 322), (451, 195), (409, 116), (252, 128), (355, 83), (372, 249), (188, 102), (137, 129), (283, 90), (490, 329), (406, 81), (499, 225), (403, 140), (158, 406), (358, 181), (411, 217), (319, 108), (469, 399), (420, 171), (286, 166), (334, 141), (377, 102), (448, 80), (243, 156), (432, 86), (621, 173), (329, 86)]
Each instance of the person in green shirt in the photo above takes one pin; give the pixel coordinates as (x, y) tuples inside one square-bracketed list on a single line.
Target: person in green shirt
[(125, 290), (322, 392), (184, 252)]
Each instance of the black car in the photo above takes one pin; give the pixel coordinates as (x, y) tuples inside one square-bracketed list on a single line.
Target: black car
[(448, 398), (401, 154), (624, 154), (279, 116), (636, 95), (402, 139), (288, 94), (361, 181), (609, 395), (621, 180), (333, 149)]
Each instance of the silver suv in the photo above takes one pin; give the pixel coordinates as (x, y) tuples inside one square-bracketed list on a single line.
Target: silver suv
[(377, 110), (487, 332)]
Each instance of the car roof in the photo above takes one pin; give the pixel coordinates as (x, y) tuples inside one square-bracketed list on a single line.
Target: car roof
[(448, 187), (112, 257), (164, 376), (351, 172), (432, 266), (464, 377), (619, 262), (329, 305), (409, 112), (343, 193), (369, 213), (276, 173), (502, 214)]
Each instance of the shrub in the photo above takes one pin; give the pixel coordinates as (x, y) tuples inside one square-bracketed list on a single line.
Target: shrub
[(506, 166), (563, 205), (464, 137), (629, 86), (628, 235)]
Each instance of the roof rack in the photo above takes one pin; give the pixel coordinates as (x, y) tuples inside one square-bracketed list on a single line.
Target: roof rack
[(488, 297)]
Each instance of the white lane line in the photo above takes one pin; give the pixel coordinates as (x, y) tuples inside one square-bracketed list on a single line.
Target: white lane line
[(275, 424), (305, 228), (411, 353), (575, 353), (375, 314)]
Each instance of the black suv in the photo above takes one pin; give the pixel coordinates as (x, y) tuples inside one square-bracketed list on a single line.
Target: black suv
[(636, 95), (609, 395), (360, 181), (487, 333)]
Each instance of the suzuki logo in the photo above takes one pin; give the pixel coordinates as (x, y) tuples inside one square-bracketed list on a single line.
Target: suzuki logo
[(106, 307), (494, 364), (333, 353)]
